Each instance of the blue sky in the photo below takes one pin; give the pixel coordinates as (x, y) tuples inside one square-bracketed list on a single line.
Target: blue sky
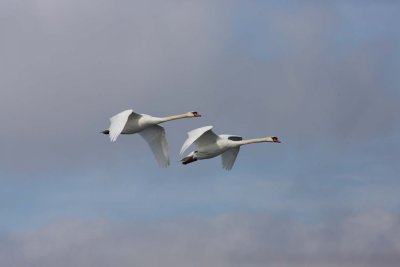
[(323, 76)]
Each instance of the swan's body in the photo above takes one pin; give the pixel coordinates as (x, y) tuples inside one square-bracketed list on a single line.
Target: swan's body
[(211, 145), (129, 122)]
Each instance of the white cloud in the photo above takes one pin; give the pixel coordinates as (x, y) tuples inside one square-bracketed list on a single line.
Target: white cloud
[(366, 239)]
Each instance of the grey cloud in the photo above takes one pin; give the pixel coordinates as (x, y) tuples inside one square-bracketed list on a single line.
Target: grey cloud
[(365, 239), (68, 67)]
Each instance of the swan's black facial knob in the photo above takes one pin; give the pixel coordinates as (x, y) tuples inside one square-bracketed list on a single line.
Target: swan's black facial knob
[(105, 132), (196, 114), (275, 139)]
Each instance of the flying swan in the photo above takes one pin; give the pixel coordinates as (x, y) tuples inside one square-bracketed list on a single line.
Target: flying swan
[(129, 122), (211, 145)]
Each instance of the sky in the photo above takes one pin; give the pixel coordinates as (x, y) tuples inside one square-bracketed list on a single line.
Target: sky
[(323, 76)]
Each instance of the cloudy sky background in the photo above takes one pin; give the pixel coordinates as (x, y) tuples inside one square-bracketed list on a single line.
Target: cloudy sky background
[(321, 75)]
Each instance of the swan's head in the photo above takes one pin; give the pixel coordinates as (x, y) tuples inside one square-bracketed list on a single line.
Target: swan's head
[(273, 139), (193, 114)]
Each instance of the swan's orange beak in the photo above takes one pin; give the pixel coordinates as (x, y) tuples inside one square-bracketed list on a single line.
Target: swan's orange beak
[(196, 114)]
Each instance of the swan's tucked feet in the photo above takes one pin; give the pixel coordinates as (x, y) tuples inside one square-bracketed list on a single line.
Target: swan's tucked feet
[(188, 160)]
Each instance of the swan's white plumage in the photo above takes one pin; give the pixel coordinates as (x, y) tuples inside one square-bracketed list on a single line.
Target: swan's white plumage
[(200, 136), (229, 157), (129, 122), (155, 137), (210, 145), (118, 123)]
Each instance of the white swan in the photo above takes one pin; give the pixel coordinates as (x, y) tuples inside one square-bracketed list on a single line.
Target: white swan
[(211, 145), (129, 122)]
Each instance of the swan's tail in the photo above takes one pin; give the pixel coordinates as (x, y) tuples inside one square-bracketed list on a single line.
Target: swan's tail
[(188, 160)]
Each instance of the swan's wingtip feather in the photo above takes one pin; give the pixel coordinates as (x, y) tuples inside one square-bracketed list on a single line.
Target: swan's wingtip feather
[(163, 164)]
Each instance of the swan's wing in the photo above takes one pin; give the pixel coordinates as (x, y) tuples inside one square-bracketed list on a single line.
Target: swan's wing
[(229, 157), (119, 121), (155, 137), (231, 137), (201, 137)]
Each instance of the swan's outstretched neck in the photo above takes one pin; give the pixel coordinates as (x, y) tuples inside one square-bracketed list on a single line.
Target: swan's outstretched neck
[(180, 116), (173, 117), (259, 140)]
